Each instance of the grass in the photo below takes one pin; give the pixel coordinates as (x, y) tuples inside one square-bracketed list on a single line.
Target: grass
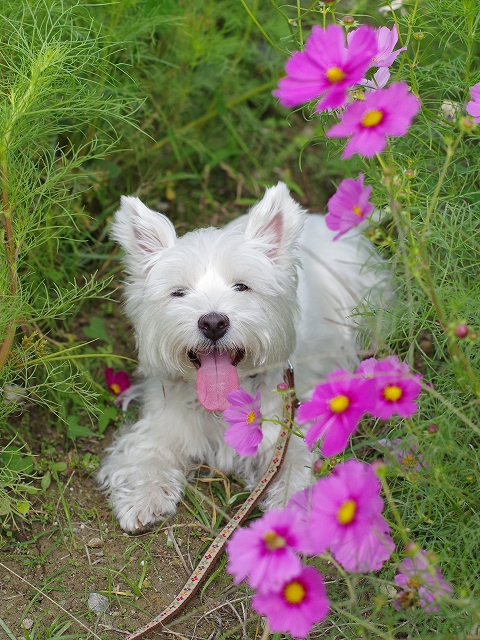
[(171, 102)]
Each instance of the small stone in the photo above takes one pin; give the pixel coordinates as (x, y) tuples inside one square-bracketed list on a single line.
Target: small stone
[(76, 530), (27, 623), (97, 602), (95, 543)]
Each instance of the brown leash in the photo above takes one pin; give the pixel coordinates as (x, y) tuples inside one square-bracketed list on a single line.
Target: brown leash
[(216, 548)]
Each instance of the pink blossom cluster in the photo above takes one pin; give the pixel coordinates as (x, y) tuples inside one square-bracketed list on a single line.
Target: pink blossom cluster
[(381, 388), (421, 582), (330, 67), (405, 452), (340, 513)]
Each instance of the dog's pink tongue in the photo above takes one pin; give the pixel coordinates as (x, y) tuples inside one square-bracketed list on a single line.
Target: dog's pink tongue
[(216, 378)]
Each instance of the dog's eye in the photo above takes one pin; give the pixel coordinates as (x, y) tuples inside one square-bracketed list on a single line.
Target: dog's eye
[(179, 293), (239, 286)]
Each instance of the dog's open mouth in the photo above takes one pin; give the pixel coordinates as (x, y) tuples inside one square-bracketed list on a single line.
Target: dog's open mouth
[(216, 376)]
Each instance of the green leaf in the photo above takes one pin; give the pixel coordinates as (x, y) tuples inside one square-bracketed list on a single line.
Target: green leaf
[(23, 507), (59, 466), (14, 460), (75, 430), (4, 506), (46, 480), (109, 414), (27, 487), (96, 330)]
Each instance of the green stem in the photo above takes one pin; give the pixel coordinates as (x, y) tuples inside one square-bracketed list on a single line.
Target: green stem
[(343, 573), (310, 8), (79, 357), (214, 112), (299, 22), (7, 343), (261, 29), (289, 24), (393, 507), (451, 148), (10, 253), (292, 428)]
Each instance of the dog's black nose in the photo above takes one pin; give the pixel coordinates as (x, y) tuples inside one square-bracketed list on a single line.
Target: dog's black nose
[(213, 325)]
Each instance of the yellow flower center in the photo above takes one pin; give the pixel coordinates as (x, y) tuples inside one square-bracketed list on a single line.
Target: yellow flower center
[(372, 118), (251, 417), (392, 393), (335, 75), (358, 95), (414, 583), (346, 513), (357, 210), (294, 592), (274, 541), (408, 461), (339, 403), (115, 388)]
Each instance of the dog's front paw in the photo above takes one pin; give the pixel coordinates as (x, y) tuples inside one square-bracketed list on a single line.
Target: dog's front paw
[(141, 495), (141, 512)]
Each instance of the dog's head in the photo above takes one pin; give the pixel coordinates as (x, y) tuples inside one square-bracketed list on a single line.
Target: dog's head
[(215, 304)]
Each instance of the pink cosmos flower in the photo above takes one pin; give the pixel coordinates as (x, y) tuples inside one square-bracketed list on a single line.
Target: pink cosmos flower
[(418, 576), (296, 606), (391, 387), (243, 416), (385, 112), (117, 381), (327, 67), (345, 516), (265, 552), (335, 409), (301, 502), (386, 40), (348, 206), (473, 107), (406, 453)]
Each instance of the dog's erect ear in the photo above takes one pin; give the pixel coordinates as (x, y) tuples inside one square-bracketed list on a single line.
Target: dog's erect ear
[(275, 223), (143, 233)]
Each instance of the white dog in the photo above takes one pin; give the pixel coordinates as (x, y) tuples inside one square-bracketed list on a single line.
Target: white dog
[(216, 309)]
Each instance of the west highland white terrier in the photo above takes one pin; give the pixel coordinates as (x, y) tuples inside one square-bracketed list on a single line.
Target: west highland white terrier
[(220, 308)]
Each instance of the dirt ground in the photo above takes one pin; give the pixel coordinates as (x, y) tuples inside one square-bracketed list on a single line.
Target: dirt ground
[(74, 548)]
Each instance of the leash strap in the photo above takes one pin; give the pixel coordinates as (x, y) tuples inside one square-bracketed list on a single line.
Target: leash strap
[(216, 548)]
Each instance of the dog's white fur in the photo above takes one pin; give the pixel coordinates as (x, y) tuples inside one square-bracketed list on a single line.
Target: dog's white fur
[(302, 288)]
